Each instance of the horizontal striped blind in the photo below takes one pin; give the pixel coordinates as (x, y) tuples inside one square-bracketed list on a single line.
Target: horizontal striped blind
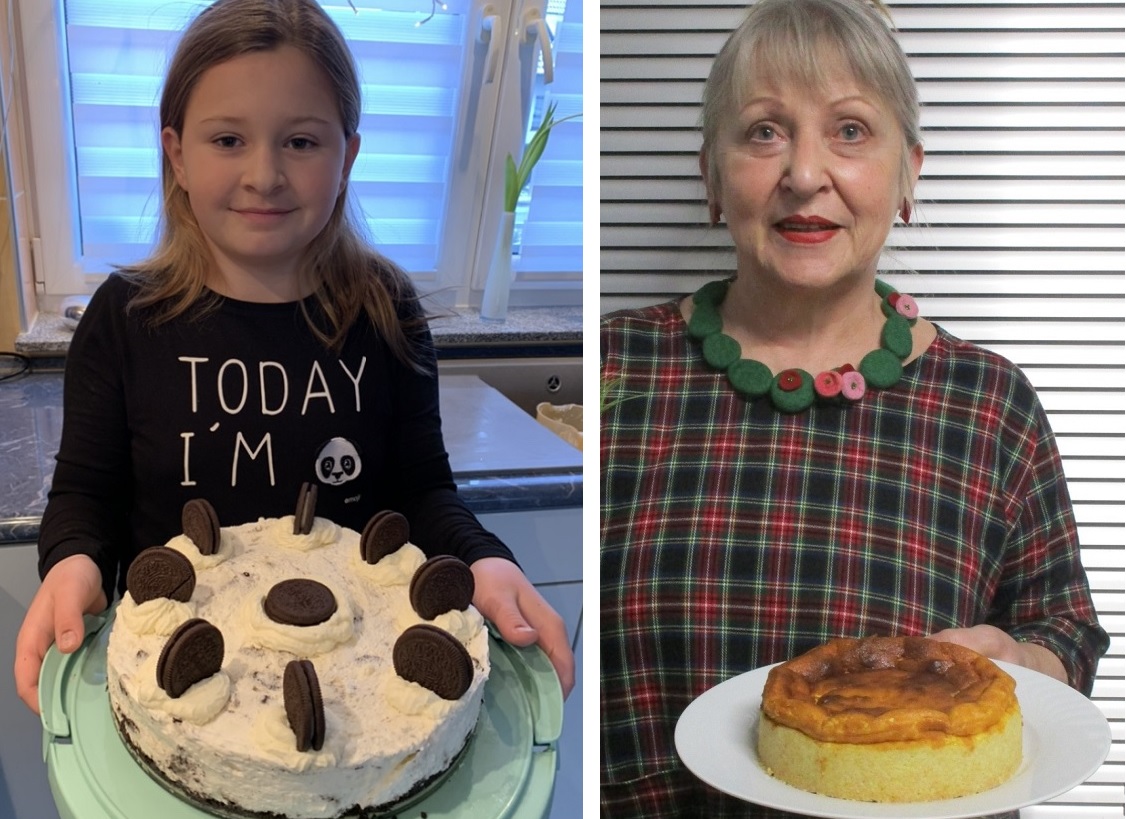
[(118, 53), (412, 57), (1020, 239)]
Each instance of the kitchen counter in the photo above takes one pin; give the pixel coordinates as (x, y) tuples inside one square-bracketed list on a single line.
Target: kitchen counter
[(502, 459), (524, 327)]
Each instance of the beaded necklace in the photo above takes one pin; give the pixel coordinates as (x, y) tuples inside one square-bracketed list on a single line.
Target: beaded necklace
[(795, 390)]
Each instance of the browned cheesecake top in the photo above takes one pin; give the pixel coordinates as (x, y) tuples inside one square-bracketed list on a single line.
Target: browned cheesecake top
[(881, 689)]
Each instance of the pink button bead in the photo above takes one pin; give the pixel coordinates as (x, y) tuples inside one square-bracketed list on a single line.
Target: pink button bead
[(906, 306), (853, 385), (828, 384)]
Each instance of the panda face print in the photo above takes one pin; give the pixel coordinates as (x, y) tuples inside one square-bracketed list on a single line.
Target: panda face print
[(338, 462)]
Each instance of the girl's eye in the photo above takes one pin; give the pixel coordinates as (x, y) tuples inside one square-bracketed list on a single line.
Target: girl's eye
[(226, 141), (302, 143)]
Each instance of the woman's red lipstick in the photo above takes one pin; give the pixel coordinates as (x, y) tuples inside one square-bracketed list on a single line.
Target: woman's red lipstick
[(806, 230)]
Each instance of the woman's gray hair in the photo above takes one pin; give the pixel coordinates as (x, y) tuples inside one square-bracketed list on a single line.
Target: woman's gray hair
[(799, 40)]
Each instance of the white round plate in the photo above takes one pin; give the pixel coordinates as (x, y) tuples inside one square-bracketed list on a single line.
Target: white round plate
[(1066, 739)]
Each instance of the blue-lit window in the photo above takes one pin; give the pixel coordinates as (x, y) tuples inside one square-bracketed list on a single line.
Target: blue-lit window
[(449, 89)]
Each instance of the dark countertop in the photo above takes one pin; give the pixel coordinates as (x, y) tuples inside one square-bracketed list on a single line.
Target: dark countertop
[(502, 459), (536, 326)]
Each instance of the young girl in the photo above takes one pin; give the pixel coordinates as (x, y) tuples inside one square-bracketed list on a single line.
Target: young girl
[(262, 345)]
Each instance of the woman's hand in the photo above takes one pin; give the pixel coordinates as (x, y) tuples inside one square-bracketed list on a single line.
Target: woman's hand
[(997, 645), (508, 599), (72, 588)]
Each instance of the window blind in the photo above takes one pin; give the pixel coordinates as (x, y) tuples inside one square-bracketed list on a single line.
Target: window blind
[(419, 64), (118, 52), (1018, 243), (551, 230)]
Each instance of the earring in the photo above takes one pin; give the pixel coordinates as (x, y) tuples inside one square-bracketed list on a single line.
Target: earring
[(905, 212)]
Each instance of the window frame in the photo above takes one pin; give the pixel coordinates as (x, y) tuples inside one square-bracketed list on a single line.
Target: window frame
[(489, 119)]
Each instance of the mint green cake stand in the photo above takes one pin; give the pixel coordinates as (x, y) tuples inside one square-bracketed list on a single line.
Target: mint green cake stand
[(507, 770)]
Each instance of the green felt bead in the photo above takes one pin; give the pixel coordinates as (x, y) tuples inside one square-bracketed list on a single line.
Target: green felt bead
[(881, 369), (712, 293), (883, 289), (705, 321), (721, 350), (896, 336), (793, 400), (750, 377)]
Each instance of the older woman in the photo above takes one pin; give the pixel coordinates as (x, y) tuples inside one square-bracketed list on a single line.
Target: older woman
[(793, 454)]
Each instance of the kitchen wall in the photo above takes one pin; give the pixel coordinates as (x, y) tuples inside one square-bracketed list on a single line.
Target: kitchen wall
[(17, 291), (9, 291)]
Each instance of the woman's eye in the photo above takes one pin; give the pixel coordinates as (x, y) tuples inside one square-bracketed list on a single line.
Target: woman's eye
[(851, 131), (762, 133), (226, 141)]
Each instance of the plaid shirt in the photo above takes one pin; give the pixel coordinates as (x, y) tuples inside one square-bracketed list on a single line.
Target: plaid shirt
[(735, 536)]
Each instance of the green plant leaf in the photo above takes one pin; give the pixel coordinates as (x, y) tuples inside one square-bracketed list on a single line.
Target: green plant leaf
[(533, 152), (516, 178), (512, 185)]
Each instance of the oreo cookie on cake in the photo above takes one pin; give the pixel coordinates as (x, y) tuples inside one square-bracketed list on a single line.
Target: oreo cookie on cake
[(299, 602), (306, 512), (304, 708), (385, 533), (443, 583), (200, 524), (160, 572), (193, 653), (434, 659)]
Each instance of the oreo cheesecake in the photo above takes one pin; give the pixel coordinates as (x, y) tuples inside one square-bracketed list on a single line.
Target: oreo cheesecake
[(291, 667)]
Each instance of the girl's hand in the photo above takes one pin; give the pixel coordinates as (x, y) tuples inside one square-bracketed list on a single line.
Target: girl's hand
[(998, 645), (72, 588), (508, 599)]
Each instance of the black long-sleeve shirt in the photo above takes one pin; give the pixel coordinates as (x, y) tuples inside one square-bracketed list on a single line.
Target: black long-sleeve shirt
[(240, 407)]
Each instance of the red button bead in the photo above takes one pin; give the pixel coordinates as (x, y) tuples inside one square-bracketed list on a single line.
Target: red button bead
[(789, 380)]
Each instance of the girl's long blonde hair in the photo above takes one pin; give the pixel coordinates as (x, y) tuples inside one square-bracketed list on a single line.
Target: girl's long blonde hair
[(348, 275)]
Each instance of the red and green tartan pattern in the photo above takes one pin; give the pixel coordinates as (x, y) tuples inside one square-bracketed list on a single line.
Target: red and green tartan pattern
[(734, 536)]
